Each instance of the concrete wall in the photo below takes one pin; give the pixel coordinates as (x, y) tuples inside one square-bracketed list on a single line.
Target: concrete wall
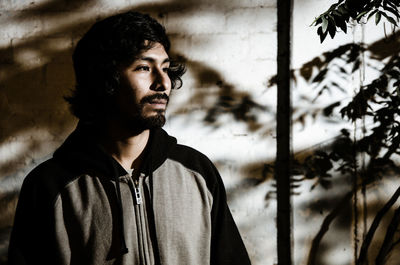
[(225, 108)]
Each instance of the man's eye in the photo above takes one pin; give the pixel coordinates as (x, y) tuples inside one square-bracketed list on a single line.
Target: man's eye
[(166, 69), (142, 68)]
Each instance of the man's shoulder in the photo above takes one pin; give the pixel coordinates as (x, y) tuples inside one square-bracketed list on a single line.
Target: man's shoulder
[(46, 169), (187, 154), (185, 150), (48, 176), (194, 160)]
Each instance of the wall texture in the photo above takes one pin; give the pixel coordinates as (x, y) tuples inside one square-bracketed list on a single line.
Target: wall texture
[(226, 108)]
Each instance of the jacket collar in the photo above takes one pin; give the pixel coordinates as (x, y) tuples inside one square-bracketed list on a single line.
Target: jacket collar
[(82, 154)]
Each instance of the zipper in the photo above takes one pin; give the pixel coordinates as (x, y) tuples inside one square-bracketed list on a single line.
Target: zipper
[(136, 184), (138, 194)]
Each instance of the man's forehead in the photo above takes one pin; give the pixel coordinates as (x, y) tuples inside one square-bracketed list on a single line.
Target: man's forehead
[(153, 54)]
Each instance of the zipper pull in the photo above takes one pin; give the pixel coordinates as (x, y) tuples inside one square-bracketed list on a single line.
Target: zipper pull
[(138, 195)]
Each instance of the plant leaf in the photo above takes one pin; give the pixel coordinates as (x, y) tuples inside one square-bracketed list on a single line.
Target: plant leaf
[(392, 10), (394, 4), (377, 17), (331, 26), (361, 15), (316, 21), (372, 13), (322, 35), (340, 23), (390, 19), (333, 7), (332, 30), (342, 9), (336, 13), (325, 23)]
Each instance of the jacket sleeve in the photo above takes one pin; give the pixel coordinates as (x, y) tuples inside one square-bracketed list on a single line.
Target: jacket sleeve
[(227, 246), (32, 237), (22, 247)]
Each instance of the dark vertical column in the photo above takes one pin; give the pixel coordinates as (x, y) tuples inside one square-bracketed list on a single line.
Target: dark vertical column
[(283, 133)]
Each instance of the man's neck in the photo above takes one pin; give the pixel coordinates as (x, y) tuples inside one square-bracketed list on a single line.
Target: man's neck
[(127, 149)]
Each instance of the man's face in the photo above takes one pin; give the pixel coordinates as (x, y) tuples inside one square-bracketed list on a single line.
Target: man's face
[(144, 89)]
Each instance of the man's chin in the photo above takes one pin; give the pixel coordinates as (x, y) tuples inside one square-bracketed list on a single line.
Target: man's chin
[(154, 121), (144, 122), (138, 125)]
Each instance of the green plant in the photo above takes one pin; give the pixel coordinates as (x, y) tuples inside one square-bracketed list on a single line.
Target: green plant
[(339, 15)]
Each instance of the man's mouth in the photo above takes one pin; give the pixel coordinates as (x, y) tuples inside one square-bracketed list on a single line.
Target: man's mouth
[(157, 101)]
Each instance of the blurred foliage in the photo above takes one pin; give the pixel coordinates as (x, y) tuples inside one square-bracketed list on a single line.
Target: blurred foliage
[(379, 100), (376, 102), (339, 15), (369, 153)]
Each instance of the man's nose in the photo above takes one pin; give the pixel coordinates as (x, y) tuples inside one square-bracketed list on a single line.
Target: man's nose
[(162, 82)]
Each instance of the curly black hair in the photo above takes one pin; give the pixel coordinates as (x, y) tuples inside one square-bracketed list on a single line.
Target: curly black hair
[(110, 45)]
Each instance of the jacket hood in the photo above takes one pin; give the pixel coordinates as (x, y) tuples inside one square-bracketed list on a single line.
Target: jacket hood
[(80, 153)]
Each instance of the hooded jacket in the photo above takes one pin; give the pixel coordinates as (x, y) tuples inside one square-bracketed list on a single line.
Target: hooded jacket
[(82, 207)]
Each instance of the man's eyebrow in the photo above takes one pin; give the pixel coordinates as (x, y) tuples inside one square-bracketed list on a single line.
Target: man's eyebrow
[(152, 60)]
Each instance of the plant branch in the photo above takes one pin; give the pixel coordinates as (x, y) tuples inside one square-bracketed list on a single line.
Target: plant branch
[(362, 258), (387, 242), (325, 227)]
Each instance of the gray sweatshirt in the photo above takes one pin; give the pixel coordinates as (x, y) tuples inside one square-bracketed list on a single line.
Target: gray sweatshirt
[(82, 207)]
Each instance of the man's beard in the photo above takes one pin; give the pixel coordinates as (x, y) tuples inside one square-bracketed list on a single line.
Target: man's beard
[(141, 122), (152, 122)]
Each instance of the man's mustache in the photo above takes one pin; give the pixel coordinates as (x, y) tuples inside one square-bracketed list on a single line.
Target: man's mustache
[(149, 99)]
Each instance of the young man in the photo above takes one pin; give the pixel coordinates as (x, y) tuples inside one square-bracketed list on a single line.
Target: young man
[(120, 190)]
